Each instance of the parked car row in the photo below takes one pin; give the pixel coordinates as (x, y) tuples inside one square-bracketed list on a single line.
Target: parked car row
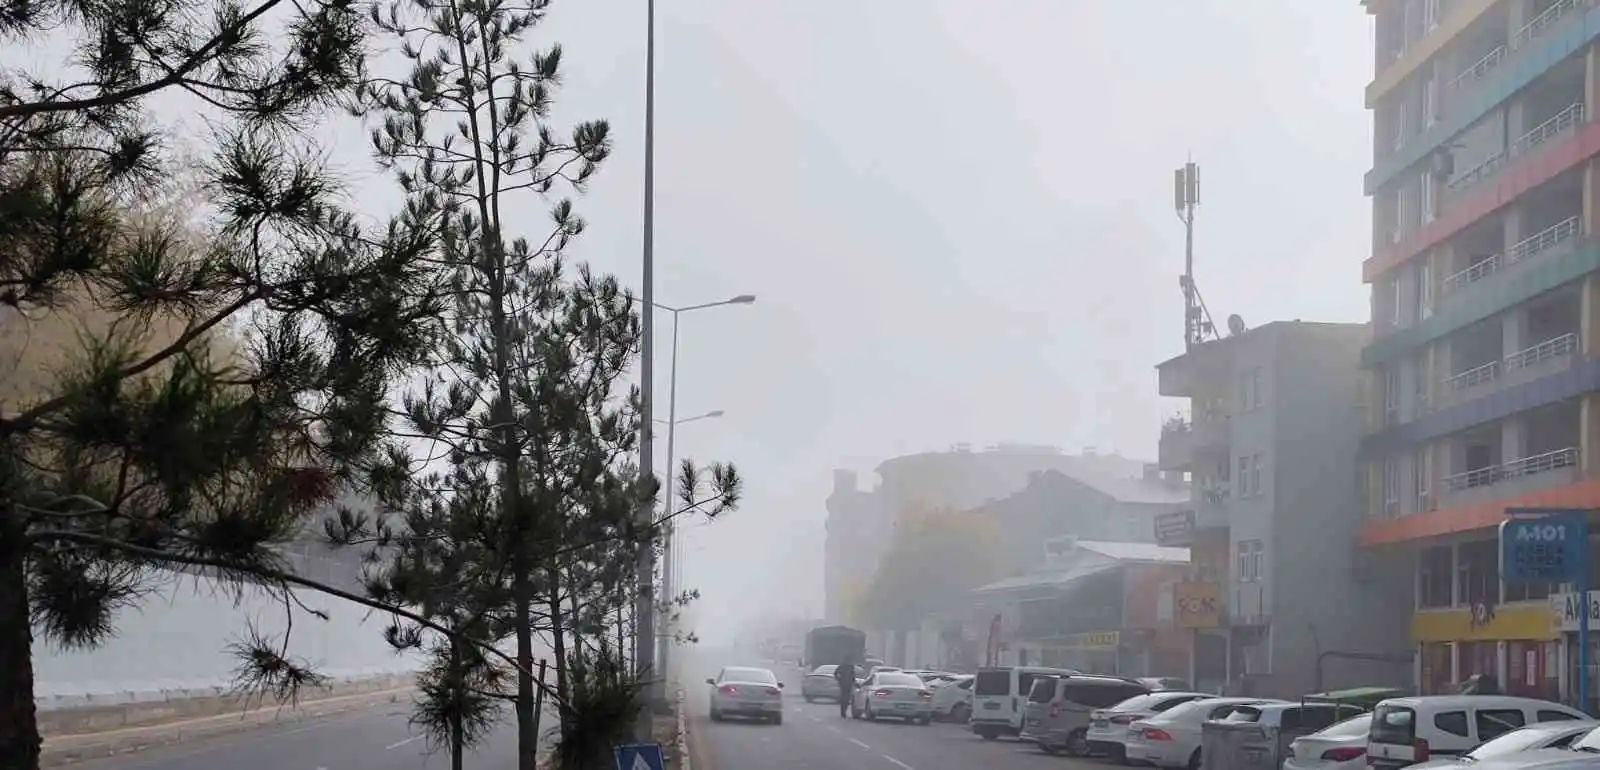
[(1133, 721)]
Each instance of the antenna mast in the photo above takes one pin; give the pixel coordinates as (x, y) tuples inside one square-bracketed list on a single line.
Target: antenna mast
[(1185, 196)]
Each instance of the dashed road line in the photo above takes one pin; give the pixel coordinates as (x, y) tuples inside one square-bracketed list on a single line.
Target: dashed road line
[(898, 762), (859, 743), (398, 744)]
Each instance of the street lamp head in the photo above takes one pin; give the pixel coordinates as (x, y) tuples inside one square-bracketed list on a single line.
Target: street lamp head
[(716, 413), (742, 299)]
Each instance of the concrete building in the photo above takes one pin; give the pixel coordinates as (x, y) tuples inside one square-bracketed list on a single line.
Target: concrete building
[(1088, 605), (1029, 487), (1485, 313), (1277, 589)]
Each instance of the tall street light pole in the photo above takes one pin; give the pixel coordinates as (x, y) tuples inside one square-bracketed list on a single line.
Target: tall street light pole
[(669, 566), (663, 641), (645, 566)]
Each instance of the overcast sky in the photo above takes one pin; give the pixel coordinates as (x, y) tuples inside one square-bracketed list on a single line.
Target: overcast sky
[(957, 219)]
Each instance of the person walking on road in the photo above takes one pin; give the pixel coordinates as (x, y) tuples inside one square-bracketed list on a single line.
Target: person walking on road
[(845, 675)]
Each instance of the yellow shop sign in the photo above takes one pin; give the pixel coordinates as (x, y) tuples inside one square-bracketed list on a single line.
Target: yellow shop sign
[(1099, 640), (1483, 623)]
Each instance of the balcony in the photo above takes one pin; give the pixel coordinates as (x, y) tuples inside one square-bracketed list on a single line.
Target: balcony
[(1497, 70), (1510, 479), (1543, 242), (1176, 450), (1211, 503)]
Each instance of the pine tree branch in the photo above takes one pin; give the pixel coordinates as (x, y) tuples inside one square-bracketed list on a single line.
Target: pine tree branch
[(191, 63), (31, 417), (268, 573)]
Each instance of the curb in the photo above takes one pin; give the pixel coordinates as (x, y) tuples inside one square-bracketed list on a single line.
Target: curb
[(68, 749), (682, 747)]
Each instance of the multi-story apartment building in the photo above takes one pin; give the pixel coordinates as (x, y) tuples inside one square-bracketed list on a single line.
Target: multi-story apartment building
[(1485, 315), (1277, 597)]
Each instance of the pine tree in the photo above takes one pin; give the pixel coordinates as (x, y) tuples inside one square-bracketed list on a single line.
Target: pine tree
[(524, 403), (153, 451)]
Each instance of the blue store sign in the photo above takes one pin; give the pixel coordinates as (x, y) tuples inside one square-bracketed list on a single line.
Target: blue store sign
[(1544, 547)]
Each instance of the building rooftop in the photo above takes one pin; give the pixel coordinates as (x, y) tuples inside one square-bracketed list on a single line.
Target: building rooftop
[(1140, 552), (1071, 566)]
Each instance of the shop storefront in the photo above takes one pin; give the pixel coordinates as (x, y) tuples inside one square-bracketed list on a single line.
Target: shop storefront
[(1564, 609), (1517, 644)]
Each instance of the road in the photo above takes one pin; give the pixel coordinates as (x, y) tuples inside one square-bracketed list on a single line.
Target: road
[(814, 737), (374, 739)]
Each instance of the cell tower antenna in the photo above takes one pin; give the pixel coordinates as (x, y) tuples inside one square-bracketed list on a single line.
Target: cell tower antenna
[(1197, 323)]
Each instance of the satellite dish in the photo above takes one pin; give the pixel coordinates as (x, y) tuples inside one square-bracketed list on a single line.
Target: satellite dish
[(1235, 325)]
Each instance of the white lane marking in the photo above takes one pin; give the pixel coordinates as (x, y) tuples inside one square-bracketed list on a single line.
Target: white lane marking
[(898, 762), (398, 744), (834, 728), (862, 745)]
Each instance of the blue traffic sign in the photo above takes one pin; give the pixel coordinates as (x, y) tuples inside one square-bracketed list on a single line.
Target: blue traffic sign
[(1546, 548), (641, 756)]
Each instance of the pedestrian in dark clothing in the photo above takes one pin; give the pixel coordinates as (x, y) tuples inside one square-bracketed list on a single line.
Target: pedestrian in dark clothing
[(845, 675)]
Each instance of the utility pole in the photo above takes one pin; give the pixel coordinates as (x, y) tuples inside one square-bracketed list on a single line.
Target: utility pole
[(644, 638), (1185, 195)]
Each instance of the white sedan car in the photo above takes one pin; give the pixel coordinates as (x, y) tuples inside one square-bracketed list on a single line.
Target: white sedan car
[(952, 701), (746, 692), (893, 694)]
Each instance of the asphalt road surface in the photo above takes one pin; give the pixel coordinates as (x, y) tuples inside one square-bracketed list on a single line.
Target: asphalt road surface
[(375, 739), (814, 737)]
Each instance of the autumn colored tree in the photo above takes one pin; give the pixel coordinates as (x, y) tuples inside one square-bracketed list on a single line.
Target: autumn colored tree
[(935, 556)]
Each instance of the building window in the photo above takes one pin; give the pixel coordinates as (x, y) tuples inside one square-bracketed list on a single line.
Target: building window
[(1391, 485), (1250, 397), (1529, 592), (1433, 580), (1249, 476), (1430, 99), (1425, 197), (1421, 473), (1391, 395), (1250, 558), (1478, 572), (1397, 299)]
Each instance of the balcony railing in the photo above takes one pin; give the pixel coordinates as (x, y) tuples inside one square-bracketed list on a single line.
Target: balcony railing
[(1475, 272), (1480, 68), (1526, 466), (1477, 173), (1547, 18), (1558, 124), (1539, 463), (1527, 248), (1543, 241), (1555, 347), (1474, 377)]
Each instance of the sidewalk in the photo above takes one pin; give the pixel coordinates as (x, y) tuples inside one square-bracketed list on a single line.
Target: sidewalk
[(72, 736)]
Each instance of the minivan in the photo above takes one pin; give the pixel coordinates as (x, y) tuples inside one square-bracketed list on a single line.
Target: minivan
[(1406, 731), (998, 694), (1057, 714)]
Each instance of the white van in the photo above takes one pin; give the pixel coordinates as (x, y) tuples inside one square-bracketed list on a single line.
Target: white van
[(1000, 696), (1406, 731)]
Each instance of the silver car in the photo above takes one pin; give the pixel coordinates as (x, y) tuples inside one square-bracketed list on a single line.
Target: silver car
[(893, 694), (820, 684), (746, 692)]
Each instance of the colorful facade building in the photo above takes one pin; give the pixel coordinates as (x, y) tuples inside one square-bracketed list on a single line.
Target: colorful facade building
[(1485, 316)]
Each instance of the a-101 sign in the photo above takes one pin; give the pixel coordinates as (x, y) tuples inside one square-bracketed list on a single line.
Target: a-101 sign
[(1544, 548)]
